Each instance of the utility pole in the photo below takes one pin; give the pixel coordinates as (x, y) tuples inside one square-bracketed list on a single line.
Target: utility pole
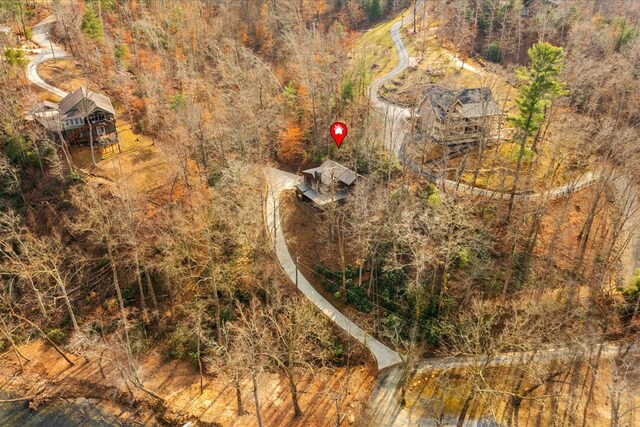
[(415, 4), (51, 45)]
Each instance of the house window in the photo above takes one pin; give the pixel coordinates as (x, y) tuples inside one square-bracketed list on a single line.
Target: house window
[(100, 130), (471, 129), (98, 116)]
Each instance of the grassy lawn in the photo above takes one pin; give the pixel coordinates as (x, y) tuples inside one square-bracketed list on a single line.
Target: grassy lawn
[(560, 158), (376, 49)]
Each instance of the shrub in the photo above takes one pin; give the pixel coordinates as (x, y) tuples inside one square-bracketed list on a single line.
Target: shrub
[(18, 151), (214, 177), (91, 25), (15, 57), (631, 292), (121, 53), (462, 257), (493, 53), (334, 349), (56, 335), (73, 177), (374, 9), (181, 342), (178, 101), (346, 93), (357, 297)]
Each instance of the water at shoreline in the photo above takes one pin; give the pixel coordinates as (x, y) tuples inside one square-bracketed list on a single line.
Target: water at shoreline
[(58, 413)]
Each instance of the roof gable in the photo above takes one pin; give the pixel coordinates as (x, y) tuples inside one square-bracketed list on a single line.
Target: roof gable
[(91, 100), (474, 102)]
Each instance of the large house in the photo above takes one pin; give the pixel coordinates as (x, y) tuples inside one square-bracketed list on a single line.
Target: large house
[(328, 183), (454, 117), (81, 118)]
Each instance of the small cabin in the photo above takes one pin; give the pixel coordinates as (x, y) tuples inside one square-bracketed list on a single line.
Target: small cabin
[(459, 117), (81, 118), (330, 182)]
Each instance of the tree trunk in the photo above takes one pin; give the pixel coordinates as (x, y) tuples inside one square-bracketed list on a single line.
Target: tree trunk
[(60, 352), (199, 331), (634, 315), (16, 350), (24, 26), (152, 294), (294, 393), (594, 376), (123, 313), (39, 297), (236, 384), (143, 301), (343, 259), (256, 401), (65, 150), (116, 284), (216, 299), (585, 232), (63, 290), (415, 4), (93, 156), (465, 409), (516, 177)]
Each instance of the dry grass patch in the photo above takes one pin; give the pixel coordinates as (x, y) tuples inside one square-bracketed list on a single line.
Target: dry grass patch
[(65, 74)]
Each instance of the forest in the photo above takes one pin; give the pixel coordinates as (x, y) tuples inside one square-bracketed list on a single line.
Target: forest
[(484, 267)]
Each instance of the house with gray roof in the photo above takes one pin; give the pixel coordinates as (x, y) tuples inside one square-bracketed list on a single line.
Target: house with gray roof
[(330, 182), (454, 117), (82, 117)]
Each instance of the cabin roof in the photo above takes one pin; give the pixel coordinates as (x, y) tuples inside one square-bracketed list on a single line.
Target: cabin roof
[(329, 171), (474, 102), (100, 101)]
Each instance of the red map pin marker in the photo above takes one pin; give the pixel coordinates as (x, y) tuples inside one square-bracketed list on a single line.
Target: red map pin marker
[(338, 132)]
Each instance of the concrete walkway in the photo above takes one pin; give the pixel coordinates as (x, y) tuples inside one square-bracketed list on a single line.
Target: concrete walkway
[(278, 182), (49, 51)]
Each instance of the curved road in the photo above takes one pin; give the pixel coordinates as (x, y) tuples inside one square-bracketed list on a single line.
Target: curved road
[(396, 131), (278, 182), (49, 50), (383, 407)]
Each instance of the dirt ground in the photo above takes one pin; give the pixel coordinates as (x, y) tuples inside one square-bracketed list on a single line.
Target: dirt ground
[(561, 224), (307, 237), (48, 375)]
